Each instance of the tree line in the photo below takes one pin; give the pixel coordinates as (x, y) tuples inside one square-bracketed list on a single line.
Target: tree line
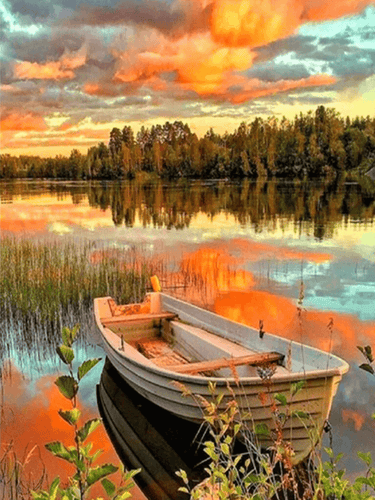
[(313, 145)]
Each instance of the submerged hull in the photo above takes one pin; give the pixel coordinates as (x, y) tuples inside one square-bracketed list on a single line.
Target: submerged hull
[(254, 395)]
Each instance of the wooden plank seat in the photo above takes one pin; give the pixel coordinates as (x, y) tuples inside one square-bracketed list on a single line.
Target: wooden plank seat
[(137, 318), (216, 364)]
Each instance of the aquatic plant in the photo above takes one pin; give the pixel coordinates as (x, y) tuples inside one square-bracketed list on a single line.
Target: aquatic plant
[(80, 455), (45, 285)]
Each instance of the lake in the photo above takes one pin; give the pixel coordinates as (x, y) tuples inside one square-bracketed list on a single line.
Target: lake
[(251, 249)]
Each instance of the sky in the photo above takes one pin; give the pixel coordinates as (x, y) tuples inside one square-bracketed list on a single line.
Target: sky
[(73, 70)]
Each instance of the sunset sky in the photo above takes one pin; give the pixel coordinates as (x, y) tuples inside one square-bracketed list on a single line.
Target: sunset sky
[(72, 70)]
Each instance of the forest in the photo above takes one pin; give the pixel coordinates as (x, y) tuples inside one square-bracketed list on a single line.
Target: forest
[(315, 144)]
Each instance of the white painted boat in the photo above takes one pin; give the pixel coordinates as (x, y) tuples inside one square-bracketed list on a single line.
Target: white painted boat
[(166, 340)]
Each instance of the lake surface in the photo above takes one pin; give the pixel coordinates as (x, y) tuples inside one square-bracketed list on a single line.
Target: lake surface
[(256, 246)]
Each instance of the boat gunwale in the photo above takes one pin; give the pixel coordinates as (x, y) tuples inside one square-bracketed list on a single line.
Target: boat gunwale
[(203, 380)]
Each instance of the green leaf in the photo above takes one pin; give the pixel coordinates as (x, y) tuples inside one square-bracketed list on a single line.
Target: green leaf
[(66, 354), (124, 495), (95, 456), (182, 474), (70, 416), (296, 387), (99, 472), (366, 457), (300, 414), (368, 353), (109, 487), (86, 367), (183, 489), (74, 331), (212, 454), (225, 449), (54, 488), (68, 386), (261, 430), (59, 450), (66, 336), (281, 398), (88, 428), (367, 368), (40, 495)]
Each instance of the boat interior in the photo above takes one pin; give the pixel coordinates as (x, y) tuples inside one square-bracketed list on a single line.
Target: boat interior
[(181, 347)]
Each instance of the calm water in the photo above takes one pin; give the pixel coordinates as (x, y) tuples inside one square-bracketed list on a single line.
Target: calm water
[(252, 243)]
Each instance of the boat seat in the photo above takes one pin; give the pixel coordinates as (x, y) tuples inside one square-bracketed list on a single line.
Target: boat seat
[(216, 364), (202, 347), (130, 319)]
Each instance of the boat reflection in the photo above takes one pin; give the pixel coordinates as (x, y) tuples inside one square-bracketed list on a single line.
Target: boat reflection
[(147, 437)]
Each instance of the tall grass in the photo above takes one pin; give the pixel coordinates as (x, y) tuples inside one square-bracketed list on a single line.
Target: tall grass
[(47, 285)]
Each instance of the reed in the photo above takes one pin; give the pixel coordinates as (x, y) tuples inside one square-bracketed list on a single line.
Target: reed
[(16, 478), (45, 285)]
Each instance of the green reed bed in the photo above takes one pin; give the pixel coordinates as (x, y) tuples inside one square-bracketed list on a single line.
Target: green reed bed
[(47, 284)]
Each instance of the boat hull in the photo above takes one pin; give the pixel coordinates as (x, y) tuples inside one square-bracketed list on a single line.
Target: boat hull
[(306, 411)]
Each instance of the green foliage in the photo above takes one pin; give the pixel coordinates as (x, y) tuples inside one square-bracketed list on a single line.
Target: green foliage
[(86, 367), (87, 429), (253, 475), (319, 144), (79, 455), (68, 386), (66, 354), (367, 353), (70, 416)]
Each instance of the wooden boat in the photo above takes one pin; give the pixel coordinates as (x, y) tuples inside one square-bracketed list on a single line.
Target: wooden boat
[(164, 342)]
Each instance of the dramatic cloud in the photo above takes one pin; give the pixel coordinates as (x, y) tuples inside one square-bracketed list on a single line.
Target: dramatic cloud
[(21, 121), (200, 65), (139, 60), (257, 22), (53, 70)]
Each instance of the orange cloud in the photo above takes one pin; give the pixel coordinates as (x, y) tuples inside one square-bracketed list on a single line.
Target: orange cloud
[(22, 121), (252, 250), (25, 216), (208, 62), (52, 70), (255, 88), (200, 64), (320, 10), (252, 23), (356, 417), (214, 278), (280, 317), (97, 89), (31, 420)]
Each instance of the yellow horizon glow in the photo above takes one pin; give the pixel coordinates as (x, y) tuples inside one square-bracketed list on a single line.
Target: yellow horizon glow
[(352, 107)]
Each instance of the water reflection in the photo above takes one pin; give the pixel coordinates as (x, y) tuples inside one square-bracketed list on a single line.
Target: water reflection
[(242, 249), (30, 419), (147, 437), (313, 209)]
